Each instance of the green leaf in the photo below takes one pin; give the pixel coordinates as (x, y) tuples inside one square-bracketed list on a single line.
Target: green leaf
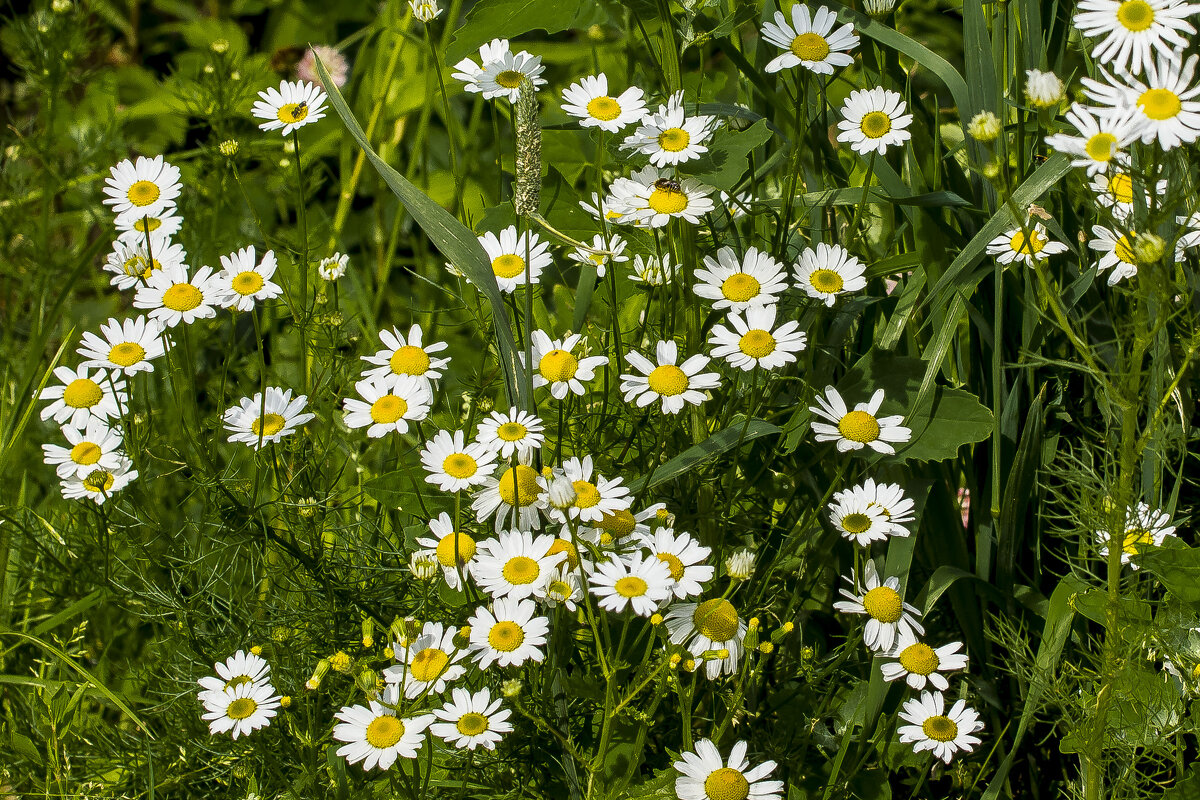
[(694, 456), (506, 19), (723, 166), (1177, 568), (455, 241)]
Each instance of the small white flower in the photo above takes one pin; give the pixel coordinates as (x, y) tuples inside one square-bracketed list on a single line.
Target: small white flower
[(853, 430), (96, 447), (471, 73), (827, 271), (754, 340), (509, 635), (557, 366), (1146, 528), (595, 495), (736, 284), (676, 386), (1117, 253), (242, 282), (99, 484), (918, 663), (601, 253), (472, 720), (134, 223), (874, 119), (1014, 245), (810, 41), (652, 197), (455, 550), (516, 433), (639, 583), (131, 265), (241, 667), (388, 405), (504, 76), (333, 267), (684, 557), (403, 356), (1103, 136), (935, 730), (516, 497), (375, 735), (888, 616), (425, 10), (127, 347), (589, 102), (515, 564), (858, 521), (654, 271), (671, 137), (709, 628), (1043, 89), (428, 663), (1167, 99), (83, 394), (739, 565), (260, 420), (146, 188), (1134, 30), (173, 297), (704, 775), (888, 498), (453, 465), (516, 260), (290, 107), (241, 709)]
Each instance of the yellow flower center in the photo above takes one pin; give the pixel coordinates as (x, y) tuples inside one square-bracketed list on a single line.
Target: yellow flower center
[(1160, 104), (667, 380), (717, 619), (459, 465), (726, 783), (558, 365), (521, 570), (182, 297), (512, 431), (856, 523), (268, 425), (518, 486), (740, 287), (826, 280), (143, 193), (409, 360), (428, 664), (875, 124), (241, 708), (506, 636), (674, 139), (126, 354), (1120, 187), (388, 409), (586, 494), (809, 47), (1135, 15), (384, 731), (619, 523), (757, 344), (472, 724), (86, 453), (290, 113), (1136, 541), (508, 265), (140, 266), (1101, 147), (247, 283), (563, 546), (1033, 246), (673, 563), (859, 426), (630, 586), (510, 78), (455, 549), (148, 223), (100, 480), (603, 108), (884, 604), (1123, 249), (82, 393), (940, 728), (668, 201), (919, 659)]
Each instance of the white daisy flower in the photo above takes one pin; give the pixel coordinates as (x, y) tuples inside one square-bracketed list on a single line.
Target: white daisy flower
[(517, 433), (601, 253), (130, 265), (428, 663), (375, 735), (944, 734), (641, 583), (736, 205), (425, 10), (147, 187), (888, 616), (508, 253), (755, 341), (704, 775), (516, 564), (589, 102), (918, 663), (810, 41), (1167, 99), (127, 347), (562, 589), (1145, 529), (472, 720), (669, 136), (736, 284), (333, 267), (471, 73), (453, 465), (652, 197), (858, 521), (739, 565), (96, 447), (654, 271), (242, 282), (509, 634), (1103, 136), (826, 271), (625, 526), (504, 76), (684, 557), (558, 367), (710, 629), (290, 107), (599, 210), (676, 386), (898, 509), (241, 667), (260, 420), (1115, 192), (515, 497), (1134, 30), (874, 119), (134, 223), (1013, 246), (172, 296), (241, 709), (406, 355), (1188, 239), (388, 405), (595, 496), (1118, 254), (454, 550), (83, 394), (852, 430), (99, 484), (1043, 89)]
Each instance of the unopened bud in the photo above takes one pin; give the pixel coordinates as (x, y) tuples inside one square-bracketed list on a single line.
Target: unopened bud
[(1148, 248), (985, 127), (318, 675)]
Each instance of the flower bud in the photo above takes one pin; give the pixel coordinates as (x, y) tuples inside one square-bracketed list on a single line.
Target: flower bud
[(985, 127)]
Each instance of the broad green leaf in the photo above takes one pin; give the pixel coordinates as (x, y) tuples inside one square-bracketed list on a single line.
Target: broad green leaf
[(507, 19), (725, 162), (720, 442), (1177, 568), (451, 237)]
